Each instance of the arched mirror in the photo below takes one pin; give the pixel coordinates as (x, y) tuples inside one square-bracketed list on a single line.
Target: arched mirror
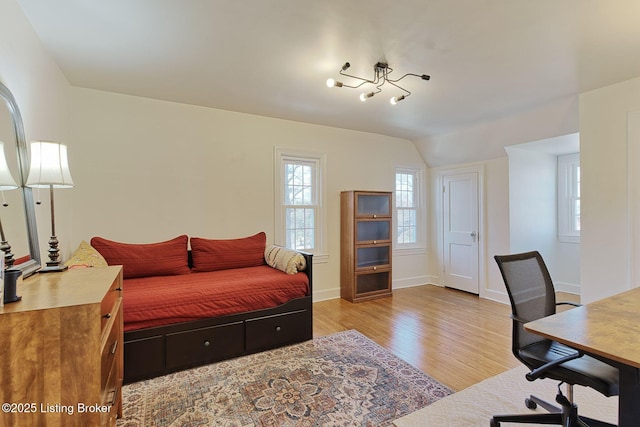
[(17, 212)]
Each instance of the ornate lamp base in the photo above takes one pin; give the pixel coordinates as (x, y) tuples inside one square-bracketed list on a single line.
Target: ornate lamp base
[(53, 265)]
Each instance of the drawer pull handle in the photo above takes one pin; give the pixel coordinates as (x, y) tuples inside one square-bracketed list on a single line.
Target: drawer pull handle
[(375, 242), (207, 343), (118, 289), (107, 316), (112, 401), (375, 216), (114, 347), (278, 328)]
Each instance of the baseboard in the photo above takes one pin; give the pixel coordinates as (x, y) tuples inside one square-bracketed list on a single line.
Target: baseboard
[(497, 296), (334, 293), (326, 294), (410, 282), (570, 288)]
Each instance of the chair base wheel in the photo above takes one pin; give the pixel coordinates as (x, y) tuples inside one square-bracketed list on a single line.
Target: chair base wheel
[(494, 423), (530, 403)]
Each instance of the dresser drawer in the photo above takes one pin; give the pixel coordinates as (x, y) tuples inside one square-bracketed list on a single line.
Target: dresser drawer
[(110, 350), (204, 345), (107, 306), (110, 398), (273, 331)]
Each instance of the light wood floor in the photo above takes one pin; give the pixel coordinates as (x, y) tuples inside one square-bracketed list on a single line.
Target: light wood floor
[(455, 337)]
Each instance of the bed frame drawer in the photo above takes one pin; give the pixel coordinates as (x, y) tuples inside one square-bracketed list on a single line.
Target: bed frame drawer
[(273, 331), (198, 346), (144, 358)]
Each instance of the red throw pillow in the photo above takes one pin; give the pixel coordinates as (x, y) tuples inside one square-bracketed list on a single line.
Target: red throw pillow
[(211, 255), (168, 258)]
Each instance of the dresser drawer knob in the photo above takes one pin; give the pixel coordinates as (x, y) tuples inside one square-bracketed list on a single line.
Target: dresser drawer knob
[(375, 268), (278, 328), (207, 343), (107, 316), (118, 289)]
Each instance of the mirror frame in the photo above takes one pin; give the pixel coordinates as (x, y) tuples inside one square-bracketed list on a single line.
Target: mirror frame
[(33, 265)]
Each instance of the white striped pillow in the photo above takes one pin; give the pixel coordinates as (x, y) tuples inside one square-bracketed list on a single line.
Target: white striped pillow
[(284, 259)]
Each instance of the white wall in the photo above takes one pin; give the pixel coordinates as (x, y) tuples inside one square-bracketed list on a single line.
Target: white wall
[(533, 202), (147, 170), (41, 92), (484, 144), (534, 217), (533, 184), (607, 253)]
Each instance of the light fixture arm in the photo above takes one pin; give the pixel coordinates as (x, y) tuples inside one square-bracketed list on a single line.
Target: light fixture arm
[(363, 81), (381, 71)]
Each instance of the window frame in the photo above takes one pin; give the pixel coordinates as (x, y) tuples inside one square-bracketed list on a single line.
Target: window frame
[(568, 194), (420, 245), (282, 156)]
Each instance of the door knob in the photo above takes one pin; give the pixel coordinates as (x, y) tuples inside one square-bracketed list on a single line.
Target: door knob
[(473, 235)]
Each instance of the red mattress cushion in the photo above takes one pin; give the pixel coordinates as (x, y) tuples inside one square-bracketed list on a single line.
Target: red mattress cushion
[(212, 255), (144, 260), (156, 301)]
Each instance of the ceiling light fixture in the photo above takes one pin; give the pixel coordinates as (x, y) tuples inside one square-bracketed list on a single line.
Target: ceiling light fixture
[(381, 71)]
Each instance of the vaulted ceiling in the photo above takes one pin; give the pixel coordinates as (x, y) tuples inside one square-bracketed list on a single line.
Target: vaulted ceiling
[(487, 58)]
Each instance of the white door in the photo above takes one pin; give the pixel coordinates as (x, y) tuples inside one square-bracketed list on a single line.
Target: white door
[(460, 231)]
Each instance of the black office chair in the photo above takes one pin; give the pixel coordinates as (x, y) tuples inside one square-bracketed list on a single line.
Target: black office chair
[(532, 297)]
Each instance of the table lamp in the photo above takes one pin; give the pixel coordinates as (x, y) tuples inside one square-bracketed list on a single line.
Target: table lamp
[(50, 169), (6, 183)]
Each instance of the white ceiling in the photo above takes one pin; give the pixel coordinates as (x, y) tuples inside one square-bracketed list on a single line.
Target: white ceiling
[(487, 58)]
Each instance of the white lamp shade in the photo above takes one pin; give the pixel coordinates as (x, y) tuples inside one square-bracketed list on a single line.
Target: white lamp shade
[(6, 179), (49, 166)]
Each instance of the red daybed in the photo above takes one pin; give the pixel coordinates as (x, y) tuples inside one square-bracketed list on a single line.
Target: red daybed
[(219, 300)]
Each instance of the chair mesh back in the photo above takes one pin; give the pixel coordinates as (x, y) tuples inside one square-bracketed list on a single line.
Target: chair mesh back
[(530, 291)]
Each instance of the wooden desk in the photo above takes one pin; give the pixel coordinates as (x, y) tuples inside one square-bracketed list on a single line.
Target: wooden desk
[(609, 330)]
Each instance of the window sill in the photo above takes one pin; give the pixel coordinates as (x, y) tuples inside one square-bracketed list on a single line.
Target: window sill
[(320, 258)]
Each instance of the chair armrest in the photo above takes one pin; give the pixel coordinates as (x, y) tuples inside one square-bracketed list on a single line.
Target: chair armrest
[(575, 304), (518, 319), (538, 372)]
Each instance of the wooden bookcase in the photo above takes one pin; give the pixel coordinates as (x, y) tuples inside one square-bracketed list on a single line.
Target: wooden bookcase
[(365, 249), (61, 358)]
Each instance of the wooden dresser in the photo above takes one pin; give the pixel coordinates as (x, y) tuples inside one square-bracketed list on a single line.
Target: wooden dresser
[(61, 358)]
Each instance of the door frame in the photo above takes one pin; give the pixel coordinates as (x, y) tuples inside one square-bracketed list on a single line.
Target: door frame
[(482, 241)]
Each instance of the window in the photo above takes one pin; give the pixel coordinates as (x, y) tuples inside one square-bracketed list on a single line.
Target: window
[(299, 209), (569, 198), (299, 205), (409, 211)]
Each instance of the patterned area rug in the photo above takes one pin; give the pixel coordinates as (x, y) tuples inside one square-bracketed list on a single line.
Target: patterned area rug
[(343, 379)]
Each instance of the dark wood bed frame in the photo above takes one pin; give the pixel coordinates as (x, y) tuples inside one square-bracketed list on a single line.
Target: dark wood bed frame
[(156, 351)]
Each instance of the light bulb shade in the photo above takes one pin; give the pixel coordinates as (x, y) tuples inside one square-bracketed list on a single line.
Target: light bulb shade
[(49, 166), (396, 99), (365, 96), (6, 179)]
